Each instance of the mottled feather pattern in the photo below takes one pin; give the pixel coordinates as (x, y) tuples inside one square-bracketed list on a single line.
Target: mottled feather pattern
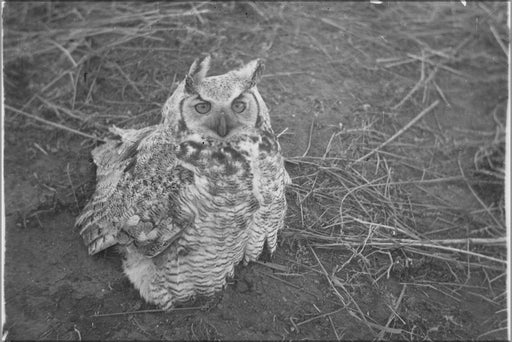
[(183, 204), (129, 201)]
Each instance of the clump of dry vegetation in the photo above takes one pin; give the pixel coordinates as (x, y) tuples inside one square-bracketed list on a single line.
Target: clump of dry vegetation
[(62, 55), (372, 193), (375, 196)]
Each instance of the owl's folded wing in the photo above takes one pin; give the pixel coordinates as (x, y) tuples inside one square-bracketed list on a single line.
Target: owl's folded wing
[(100, 220), (151, 227)]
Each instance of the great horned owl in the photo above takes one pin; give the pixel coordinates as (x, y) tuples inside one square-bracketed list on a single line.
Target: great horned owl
[(188, 199)]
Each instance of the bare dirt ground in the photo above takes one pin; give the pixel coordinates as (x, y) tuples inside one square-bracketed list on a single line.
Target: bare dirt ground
[(375, 247)]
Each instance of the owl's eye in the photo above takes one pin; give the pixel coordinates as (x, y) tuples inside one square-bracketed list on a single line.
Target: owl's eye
[(203, 107), (238, 106)]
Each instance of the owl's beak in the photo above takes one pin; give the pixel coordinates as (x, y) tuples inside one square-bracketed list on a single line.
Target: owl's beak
[(224, 125)]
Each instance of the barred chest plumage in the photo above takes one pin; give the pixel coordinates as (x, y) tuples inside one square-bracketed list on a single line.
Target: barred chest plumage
[(223, 191), (221, 200)]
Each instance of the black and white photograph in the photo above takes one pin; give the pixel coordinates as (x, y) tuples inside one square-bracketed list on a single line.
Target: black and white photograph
[(253, 170)]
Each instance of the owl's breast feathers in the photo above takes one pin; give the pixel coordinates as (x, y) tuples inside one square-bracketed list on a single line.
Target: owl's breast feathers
[(153, 189)]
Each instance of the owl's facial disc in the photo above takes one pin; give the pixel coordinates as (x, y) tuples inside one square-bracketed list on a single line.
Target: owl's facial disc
[(220, 115), (221, 106)]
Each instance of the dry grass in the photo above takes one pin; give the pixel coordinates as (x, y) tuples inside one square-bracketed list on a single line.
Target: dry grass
[(366, 206), (85, 45), (361, 198)]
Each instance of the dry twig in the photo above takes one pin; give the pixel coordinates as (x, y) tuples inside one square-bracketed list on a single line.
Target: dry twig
[(401, 131)]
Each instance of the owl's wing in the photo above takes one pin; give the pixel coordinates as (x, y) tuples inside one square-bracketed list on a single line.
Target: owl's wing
[(136, 194)]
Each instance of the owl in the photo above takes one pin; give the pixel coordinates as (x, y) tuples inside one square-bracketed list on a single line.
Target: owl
[(186, 200)]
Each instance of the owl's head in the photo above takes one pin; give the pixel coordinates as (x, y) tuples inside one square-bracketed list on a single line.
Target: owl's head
[(218, 106)]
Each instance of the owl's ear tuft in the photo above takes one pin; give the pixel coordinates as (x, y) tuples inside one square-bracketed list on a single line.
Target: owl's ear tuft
[(196, 73), (190, 86), (251, 72), (200, 67)]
